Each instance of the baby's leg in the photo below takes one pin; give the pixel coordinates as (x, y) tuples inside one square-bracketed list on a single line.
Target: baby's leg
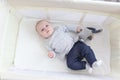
[(88, 53), (74, 59), (90, 57)]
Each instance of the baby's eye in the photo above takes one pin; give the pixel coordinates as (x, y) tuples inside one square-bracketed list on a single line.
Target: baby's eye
[(46, 25), (42, 29)]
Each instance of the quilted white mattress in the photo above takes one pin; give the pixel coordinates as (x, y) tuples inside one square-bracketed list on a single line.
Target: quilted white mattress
[(31, 54)]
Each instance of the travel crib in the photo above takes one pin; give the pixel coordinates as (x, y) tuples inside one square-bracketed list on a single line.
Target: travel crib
[(22, 52)]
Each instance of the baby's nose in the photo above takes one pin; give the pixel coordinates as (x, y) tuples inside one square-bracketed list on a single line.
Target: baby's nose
[(46, 29)]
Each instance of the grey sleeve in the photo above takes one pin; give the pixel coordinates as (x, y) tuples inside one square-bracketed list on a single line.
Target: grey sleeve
[(48, 48), (71, 28)]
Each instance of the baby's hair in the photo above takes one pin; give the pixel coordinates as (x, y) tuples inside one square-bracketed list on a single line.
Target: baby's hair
[(40, 22)]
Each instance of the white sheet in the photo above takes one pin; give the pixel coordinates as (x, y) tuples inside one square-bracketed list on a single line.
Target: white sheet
[(31, 54)]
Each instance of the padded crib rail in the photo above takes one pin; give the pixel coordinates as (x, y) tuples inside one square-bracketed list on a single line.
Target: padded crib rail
[(11, 32), (7, 50), (9, 40), (100, 6), (115, 46)]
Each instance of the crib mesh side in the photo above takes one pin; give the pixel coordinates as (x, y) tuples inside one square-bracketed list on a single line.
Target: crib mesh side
[(9, 41), (115, 46), (114, 33)]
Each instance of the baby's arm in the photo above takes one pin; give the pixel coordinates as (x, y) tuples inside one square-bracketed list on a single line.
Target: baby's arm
[(79, 29), (51, 53), (73, 28)]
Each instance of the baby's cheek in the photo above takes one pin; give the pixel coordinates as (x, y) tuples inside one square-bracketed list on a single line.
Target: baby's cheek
[(43, 34)]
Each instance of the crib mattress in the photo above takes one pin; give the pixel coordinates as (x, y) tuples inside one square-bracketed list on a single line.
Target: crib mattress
[(31, 54), (30, 51)]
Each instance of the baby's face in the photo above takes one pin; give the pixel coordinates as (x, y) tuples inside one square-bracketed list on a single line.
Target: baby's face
[(45, 29)]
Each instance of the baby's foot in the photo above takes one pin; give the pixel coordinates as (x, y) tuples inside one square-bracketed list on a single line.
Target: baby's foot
[(89, 69), (97, 64)]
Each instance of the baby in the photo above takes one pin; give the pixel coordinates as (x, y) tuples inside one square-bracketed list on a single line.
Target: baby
[(60, 43)]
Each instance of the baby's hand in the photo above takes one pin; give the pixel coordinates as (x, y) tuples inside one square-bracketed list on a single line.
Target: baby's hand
[(79, 29), (51, 54)]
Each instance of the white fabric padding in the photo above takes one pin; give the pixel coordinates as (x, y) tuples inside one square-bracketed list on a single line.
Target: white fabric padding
[(32, 55), (54, 14)]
